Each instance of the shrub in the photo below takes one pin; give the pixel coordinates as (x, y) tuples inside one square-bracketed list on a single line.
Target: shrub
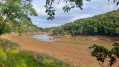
[(101, 54)]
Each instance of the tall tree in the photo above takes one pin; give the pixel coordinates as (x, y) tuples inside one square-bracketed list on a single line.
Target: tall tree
[(19, 10)]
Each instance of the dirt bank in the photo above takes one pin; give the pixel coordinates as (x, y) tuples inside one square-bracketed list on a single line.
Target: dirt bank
[(75, 54)]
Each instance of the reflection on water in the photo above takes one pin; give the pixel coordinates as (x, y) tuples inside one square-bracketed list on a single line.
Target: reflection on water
[(43, 37)]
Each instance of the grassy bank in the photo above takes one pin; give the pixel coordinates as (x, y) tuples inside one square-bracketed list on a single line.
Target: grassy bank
[(11, 55)]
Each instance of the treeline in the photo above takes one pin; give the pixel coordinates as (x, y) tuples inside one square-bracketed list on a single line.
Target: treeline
[(104, 24)]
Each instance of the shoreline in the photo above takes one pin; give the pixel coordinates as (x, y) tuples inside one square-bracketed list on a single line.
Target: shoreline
[(71, 53), (89, 38)]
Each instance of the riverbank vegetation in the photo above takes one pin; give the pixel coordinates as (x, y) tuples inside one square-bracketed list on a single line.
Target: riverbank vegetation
[(15, 17), (11, 55)]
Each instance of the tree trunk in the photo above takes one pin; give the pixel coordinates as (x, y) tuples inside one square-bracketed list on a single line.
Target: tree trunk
[(4, 24)]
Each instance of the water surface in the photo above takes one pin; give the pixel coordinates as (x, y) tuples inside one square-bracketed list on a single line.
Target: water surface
[(43, 37)]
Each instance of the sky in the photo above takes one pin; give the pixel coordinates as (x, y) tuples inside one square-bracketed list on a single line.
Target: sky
[(94, 7)]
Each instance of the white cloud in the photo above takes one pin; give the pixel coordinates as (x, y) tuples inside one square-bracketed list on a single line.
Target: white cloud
[(39, 6), (94, 7)]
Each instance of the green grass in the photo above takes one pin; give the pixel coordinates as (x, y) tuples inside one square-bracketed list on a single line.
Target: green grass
[(12, 56)]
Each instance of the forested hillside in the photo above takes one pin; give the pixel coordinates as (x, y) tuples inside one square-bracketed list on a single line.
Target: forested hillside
[(16, 26), (25, 27), (104, 24)]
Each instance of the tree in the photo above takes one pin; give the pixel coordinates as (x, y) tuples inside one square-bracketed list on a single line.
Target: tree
[(101, 54), (20, 10), (16, 10), (7, 28), (102, 24)]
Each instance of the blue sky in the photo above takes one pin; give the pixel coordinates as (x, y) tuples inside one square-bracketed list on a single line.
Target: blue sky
[(94, 7)]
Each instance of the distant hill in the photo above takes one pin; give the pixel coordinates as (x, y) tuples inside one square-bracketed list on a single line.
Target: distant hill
[(16, 26), (104, 24), (25, 27)]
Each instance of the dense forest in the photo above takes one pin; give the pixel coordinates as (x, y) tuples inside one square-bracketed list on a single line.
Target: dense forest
[(104, 24)]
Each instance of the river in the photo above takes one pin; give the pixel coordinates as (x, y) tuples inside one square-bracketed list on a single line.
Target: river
[(43, 37)]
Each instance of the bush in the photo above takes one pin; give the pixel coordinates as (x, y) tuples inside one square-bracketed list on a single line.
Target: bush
[(101, 54)]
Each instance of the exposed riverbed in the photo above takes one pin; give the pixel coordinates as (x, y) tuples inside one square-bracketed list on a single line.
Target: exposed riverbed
[(74, 51), (72, 40)]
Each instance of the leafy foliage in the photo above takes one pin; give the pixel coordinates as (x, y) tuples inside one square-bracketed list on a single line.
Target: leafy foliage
[(15, 10), (105, 24), (70, 4), (7, 28), (102, 53)]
